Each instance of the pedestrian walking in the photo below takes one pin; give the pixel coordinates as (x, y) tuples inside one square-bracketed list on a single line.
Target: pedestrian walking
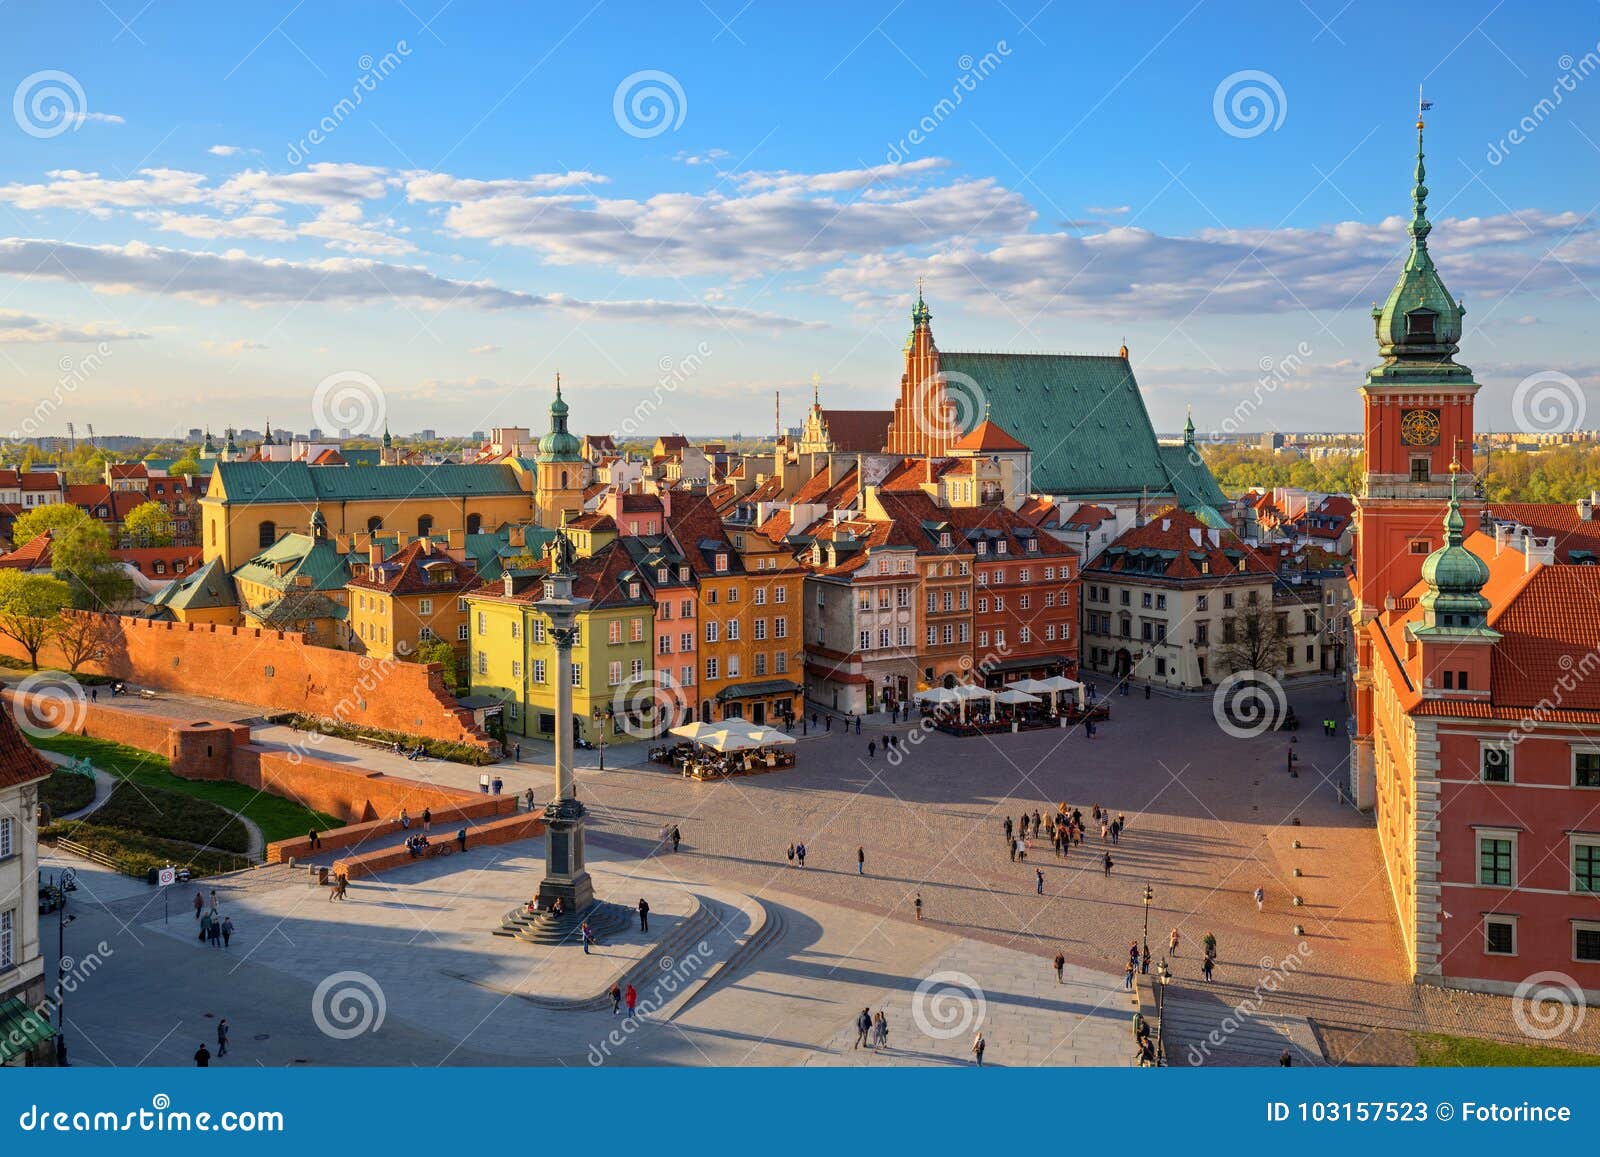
[(872, 749), (1172, 942), (1127, 978), (1206, 966), (829, 723), (227, 930), (213, 899), (205, 927), (1210, 943), (1014, 845), (427, 820), (1133, 954), (861, 861), (1038, 881), (800, 854), (863, 1027), (222, 1037), (202, 1057), (1261, 898), (882, 1030), (917, 903), (529, 796), (677, 837), (791, 855), (631, 999), (1147, 690), (978, 1045), (1106, 862), (587, 934), (461, 838), (1060, 963), (616, 998), (1285, 1060), (644, 915), (199, 905), (1088, 729)]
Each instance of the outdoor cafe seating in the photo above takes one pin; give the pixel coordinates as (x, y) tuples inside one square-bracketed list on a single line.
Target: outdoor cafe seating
[(732, 747)]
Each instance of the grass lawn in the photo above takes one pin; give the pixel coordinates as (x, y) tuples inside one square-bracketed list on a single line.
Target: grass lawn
[(278, 818), (65, 792), (1437, 1050), (168, 815)]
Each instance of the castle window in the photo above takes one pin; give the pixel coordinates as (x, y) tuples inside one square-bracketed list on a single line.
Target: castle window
[(424, 526), (266, 534), (1419, 468), (1419, 324), (374, 524), (474, 523)]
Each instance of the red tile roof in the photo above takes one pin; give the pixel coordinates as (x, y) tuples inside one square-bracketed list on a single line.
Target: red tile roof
[(858, 431), (1167, 547), (19, 763), (144, 559), (986, 437), (32, 555), (1562, 521), (414, 570)]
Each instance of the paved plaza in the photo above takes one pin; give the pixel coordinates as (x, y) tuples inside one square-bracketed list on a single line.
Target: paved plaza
[(784, 958)]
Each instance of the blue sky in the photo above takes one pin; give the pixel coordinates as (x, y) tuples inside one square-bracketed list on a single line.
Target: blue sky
[(216, 225)]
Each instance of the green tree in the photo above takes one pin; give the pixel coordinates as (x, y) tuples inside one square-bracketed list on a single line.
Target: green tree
[(30, 609), (148, 524), (57, 516), (81, 638), (184, 465), (441, 652), (80, 556)]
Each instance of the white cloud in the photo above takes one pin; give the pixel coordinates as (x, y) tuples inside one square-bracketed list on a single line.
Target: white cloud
[(25, 329), (484, 349), (324, 183), (435, 187), (224, 150), (89, 192), (1107, 210), (103, 118), (236, 277)]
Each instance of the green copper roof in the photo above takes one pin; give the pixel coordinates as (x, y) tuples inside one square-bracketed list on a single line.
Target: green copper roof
[(315, 558), (203, 589), (251, 482), (1454, 602), (1084, 420), (1419, 327)]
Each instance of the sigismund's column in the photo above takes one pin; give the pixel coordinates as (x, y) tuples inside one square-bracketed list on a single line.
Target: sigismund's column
[(564, 874)]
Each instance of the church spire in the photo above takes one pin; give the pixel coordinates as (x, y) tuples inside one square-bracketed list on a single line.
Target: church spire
[(1188, 428)]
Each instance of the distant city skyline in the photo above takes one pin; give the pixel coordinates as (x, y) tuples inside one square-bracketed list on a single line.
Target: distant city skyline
[(438, 215)]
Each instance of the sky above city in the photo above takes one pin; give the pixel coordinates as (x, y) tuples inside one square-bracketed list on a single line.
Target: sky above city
[(419, 212)]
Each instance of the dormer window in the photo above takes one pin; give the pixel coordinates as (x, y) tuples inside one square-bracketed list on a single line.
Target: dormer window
[(633, 590), (1001, 547), (1419, 324), (722, 563), (661, 574), (983, 547)]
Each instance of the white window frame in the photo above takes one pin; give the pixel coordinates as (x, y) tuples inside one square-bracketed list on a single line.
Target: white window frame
[(1574, 842), (1581, 926), (1487, 745), (1478, 836), (1501, 918)]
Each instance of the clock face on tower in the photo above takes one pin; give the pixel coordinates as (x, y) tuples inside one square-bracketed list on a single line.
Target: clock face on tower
[(1420, 427)]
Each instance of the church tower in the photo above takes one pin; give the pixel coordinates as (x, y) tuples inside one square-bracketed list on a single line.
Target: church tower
[(560, 469), (1417, 405), (924, 423)]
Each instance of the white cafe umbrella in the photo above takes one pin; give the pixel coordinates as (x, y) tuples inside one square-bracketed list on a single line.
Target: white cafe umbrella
[(1012, 695), (694, 731), (1032, 686), (966, 693)]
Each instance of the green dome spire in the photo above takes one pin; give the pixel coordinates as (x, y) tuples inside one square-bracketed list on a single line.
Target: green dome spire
[(1454, 601), (1419, 327), (560, 444)]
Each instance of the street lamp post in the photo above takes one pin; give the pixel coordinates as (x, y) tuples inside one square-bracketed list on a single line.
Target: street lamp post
[(62, 920), (564, 876), (603, 716), (1144, 960), (1163, 978)]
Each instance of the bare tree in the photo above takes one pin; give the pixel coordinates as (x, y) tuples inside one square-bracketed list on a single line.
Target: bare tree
[(83, 637), (1253, 639)]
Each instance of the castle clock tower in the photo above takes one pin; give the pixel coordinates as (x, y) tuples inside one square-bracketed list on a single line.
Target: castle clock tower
[(559, 492), (1417, 405)]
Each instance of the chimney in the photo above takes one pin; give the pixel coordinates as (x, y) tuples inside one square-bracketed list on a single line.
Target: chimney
[(1586, 508), (458, 539), (427, 545), (518, 537), (341, 543), (375, 553)]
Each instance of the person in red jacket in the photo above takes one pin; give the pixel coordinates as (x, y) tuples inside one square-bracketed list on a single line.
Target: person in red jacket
[(630, 998)]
